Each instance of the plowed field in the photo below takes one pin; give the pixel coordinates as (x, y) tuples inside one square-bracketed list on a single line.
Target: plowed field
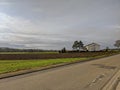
[(51, 56)]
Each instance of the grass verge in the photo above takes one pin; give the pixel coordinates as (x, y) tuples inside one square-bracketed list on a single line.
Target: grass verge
[(7, 66), (16, 65)]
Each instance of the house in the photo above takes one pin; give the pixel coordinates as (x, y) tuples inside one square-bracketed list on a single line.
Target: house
[(93, 47)]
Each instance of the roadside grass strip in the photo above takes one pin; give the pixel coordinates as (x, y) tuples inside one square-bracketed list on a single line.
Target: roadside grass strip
[(17, 65)]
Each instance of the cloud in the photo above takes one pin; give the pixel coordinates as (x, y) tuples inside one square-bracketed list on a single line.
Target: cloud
[(16, 25), (19, 31), (5, 3), (53, 24), (115, 26), (24, 33)]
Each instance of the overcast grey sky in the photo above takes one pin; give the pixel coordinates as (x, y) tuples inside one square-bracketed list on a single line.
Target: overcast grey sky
[(54, 24)]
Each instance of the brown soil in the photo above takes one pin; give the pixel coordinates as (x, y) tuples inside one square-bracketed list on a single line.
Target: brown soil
[(51, 56)]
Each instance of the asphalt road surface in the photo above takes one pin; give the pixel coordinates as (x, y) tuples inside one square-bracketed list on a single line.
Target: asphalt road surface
[(92, 75)]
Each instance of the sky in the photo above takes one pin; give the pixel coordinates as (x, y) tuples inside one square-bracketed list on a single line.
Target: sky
[(54, 24)]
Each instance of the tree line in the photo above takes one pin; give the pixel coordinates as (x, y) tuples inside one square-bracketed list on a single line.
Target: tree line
[(79, 45), (5, 49)]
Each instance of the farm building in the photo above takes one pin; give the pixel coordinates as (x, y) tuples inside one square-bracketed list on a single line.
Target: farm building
[(93, 47)]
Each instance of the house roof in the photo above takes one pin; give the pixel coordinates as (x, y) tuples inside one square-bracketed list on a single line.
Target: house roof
[(93, 44)]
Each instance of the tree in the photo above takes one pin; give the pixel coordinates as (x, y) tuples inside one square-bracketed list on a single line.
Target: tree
[(107, 49), (81, 45), (63, 50), (75, 45), (117, 44), (78, 45)]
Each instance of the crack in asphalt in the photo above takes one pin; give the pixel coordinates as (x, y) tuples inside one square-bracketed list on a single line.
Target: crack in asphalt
[(105, 66)]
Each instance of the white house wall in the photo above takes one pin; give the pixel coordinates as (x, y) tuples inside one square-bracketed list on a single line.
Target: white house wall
[(93, 48)]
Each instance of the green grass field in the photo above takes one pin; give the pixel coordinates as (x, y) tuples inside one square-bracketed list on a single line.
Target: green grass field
[(16, 65)]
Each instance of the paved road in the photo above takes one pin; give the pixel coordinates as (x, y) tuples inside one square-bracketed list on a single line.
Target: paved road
[(90, 75)]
